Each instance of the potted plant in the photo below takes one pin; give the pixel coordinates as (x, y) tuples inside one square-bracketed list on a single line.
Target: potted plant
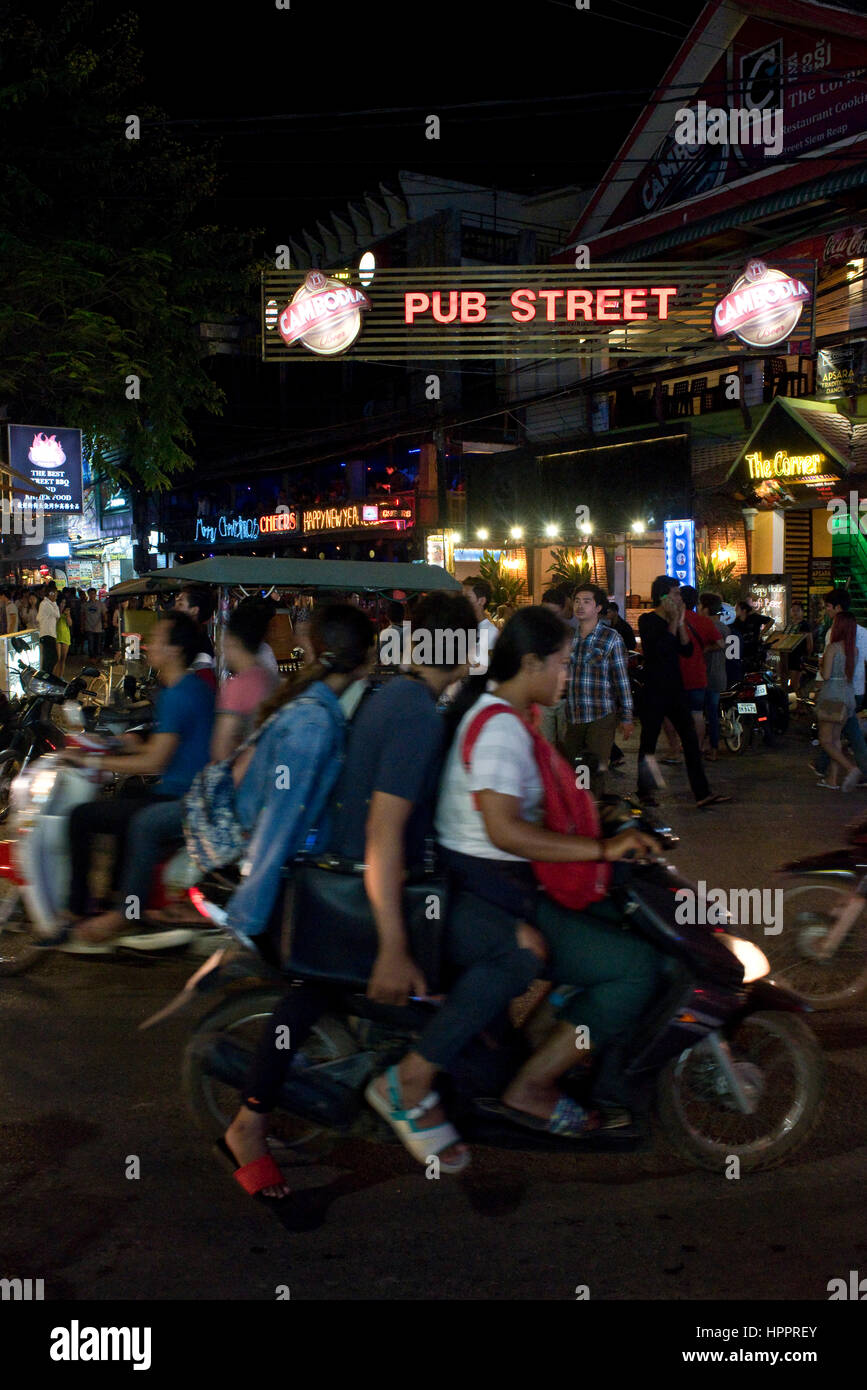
[(717, 577), (571, 567), (506, 586)]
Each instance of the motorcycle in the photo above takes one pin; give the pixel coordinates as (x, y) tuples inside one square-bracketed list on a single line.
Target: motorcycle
[(35, 865), (31, 729), (754, 703), (821, 951), (722, 1056)]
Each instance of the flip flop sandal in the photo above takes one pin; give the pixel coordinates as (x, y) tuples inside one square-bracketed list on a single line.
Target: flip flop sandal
[(423, 1144), (716, 800), (568, 1119), (262, 1172)]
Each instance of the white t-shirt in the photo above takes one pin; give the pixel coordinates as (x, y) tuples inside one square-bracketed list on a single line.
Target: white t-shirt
[(486, 636), (502, 761), (11, 616), (265, 657), (47, 618)]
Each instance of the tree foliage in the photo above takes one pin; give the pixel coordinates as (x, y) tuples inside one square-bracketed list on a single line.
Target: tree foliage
[(106, 265), (506, 585)]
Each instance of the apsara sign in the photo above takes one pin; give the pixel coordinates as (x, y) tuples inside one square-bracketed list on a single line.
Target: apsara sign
[(762, 308)]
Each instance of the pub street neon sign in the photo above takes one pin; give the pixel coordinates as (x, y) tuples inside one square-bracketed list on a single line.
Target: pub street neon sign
[(593, 306)]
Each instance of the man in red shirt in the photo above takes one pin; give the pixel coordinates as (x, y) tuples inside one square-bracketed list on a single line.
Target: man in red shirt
[(693, 668)]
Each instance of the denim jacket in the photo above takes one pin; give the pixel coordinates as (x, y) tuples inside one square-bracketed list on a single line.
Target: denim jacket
[(283, 795)]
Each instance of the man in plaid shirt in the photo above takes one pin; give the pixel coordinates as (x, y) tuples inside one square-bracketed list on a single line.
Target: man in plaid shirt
[(598, 694)]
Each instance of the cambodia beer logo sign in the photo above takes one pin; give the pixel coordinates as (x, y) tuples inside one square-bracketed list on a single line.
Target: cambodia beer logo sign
[(324, 314), (762, 308)]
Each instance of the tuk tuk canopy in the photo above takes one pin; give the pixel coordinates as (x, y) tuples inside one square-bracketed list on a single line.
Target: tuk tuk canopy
[(302, 576)]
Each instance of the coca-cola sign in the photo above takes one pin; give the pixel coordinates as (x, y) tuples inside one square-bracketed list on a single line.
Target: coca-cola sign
[(849, 244)]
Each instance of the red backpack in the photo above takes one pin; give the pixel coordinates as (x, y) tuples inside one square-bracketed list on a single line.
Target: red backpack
[(569, 810)]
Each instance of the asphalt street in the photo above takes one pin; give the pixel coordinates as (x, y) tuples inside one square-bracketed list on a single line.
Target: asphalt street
[(83, 1092)]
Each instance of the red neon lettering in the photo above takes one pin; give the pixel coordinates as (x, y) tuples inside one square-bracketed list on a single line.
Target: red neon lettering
[(579, 299), (523, 312), (663, 296), (414, 303), (550, 296), (629, 298), (602, 306), (452, 314), (473, 307)]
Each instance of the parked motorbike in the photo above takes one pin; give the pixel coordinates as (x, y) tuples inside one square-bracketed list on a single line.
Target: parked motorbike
[(755, 703), (821, 952), (722, 1056), (35, 866)]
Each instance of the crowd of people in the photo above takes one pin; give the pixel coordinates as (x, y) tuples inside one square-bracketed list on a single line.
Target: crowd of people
[(321, 761)]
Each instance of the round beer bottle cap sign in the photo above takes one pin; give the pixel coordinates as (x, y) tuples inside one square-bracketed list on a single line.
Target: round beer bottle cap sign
[(324, 314), (762, 308)]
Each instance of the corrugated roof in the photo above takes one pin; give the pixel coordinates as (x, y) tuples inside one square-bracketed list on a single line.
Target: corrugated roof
[(780, 202)]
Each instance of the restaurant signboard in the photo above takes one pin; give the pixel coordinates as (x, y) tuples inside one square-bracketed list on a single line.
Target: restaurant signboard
[(841, 371), (49, 459)]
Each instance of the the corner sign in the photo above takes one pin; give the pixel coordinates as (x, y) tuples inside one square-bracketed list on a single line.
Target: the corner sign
[(762, 308), (324, 314)]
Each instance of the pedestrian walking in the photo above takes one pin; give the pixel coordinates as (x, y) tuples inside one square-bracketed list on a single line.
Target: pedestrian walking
[(835, 704), (838, 601), (693, 668), (598, 693), (665, 639), (93, 613), (710, 607)]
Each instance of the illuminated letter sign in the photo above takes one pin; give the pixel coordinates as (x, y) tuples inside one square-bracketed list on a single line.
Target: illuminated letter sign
[(278, 521), (325, 315), (762, 308), (679, 539), (549, 306), (784, 465)]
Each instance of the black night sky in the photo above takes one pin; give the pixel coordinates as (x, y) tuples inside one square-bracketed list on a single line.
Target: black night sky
[(314, 105)]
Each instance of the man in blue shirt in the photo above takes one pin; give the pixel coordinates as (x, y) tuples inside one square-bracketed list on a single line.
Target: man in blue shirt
[(146, 825)]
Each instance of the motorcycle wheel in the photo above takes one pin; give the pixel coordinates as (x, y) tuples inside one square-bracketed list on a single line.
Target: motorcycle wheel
[(738, 737), (808, 916), (10, 766), (782, 1069), (17, 951), (241, 1018)]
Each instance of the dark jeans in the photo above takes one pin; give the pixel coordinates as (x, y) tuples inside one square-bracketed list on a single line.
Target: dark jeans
[(115, 817), (711, 714), (491, 969), (48, 653), (674, 706), (94, 643)]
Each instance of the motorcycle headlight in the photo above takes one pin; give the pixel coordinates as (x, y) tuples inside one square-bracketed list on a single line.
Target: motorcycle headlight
[(755, 963)]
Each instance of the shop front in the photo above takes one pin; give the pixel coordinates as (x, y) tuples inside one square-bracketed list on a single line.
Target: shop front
[(793, 481)]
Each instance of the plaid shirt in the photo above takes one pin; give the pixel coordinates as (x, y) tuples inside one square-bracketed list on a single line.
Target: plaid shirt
[(598, 682)]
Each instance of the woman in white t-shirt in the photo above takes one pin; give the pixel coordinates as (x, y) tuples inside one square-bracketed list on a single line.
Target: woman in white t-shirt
[(489, 826)]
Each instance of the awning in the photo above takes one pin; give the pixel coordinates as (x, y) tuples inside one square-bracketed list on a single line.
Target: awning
[(798, 455)]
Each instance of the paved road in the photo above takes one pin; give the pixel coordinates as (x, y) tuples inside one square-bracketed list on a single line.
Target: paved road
[(82, 1091)]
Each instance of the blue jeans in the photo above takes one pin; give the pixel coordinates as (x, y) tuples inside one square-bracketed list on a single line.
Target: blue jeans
[(711, 713), (853, 732)]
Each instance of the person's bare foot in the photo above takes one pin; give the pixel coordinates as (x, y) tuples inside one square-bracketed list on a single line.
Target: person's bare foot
[(412, 1092), (246, 1140), (95, 930)]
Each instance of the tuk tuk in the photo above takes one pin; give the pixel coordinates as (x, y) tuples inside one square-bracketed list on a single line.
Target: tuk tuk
[(241, 576)]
